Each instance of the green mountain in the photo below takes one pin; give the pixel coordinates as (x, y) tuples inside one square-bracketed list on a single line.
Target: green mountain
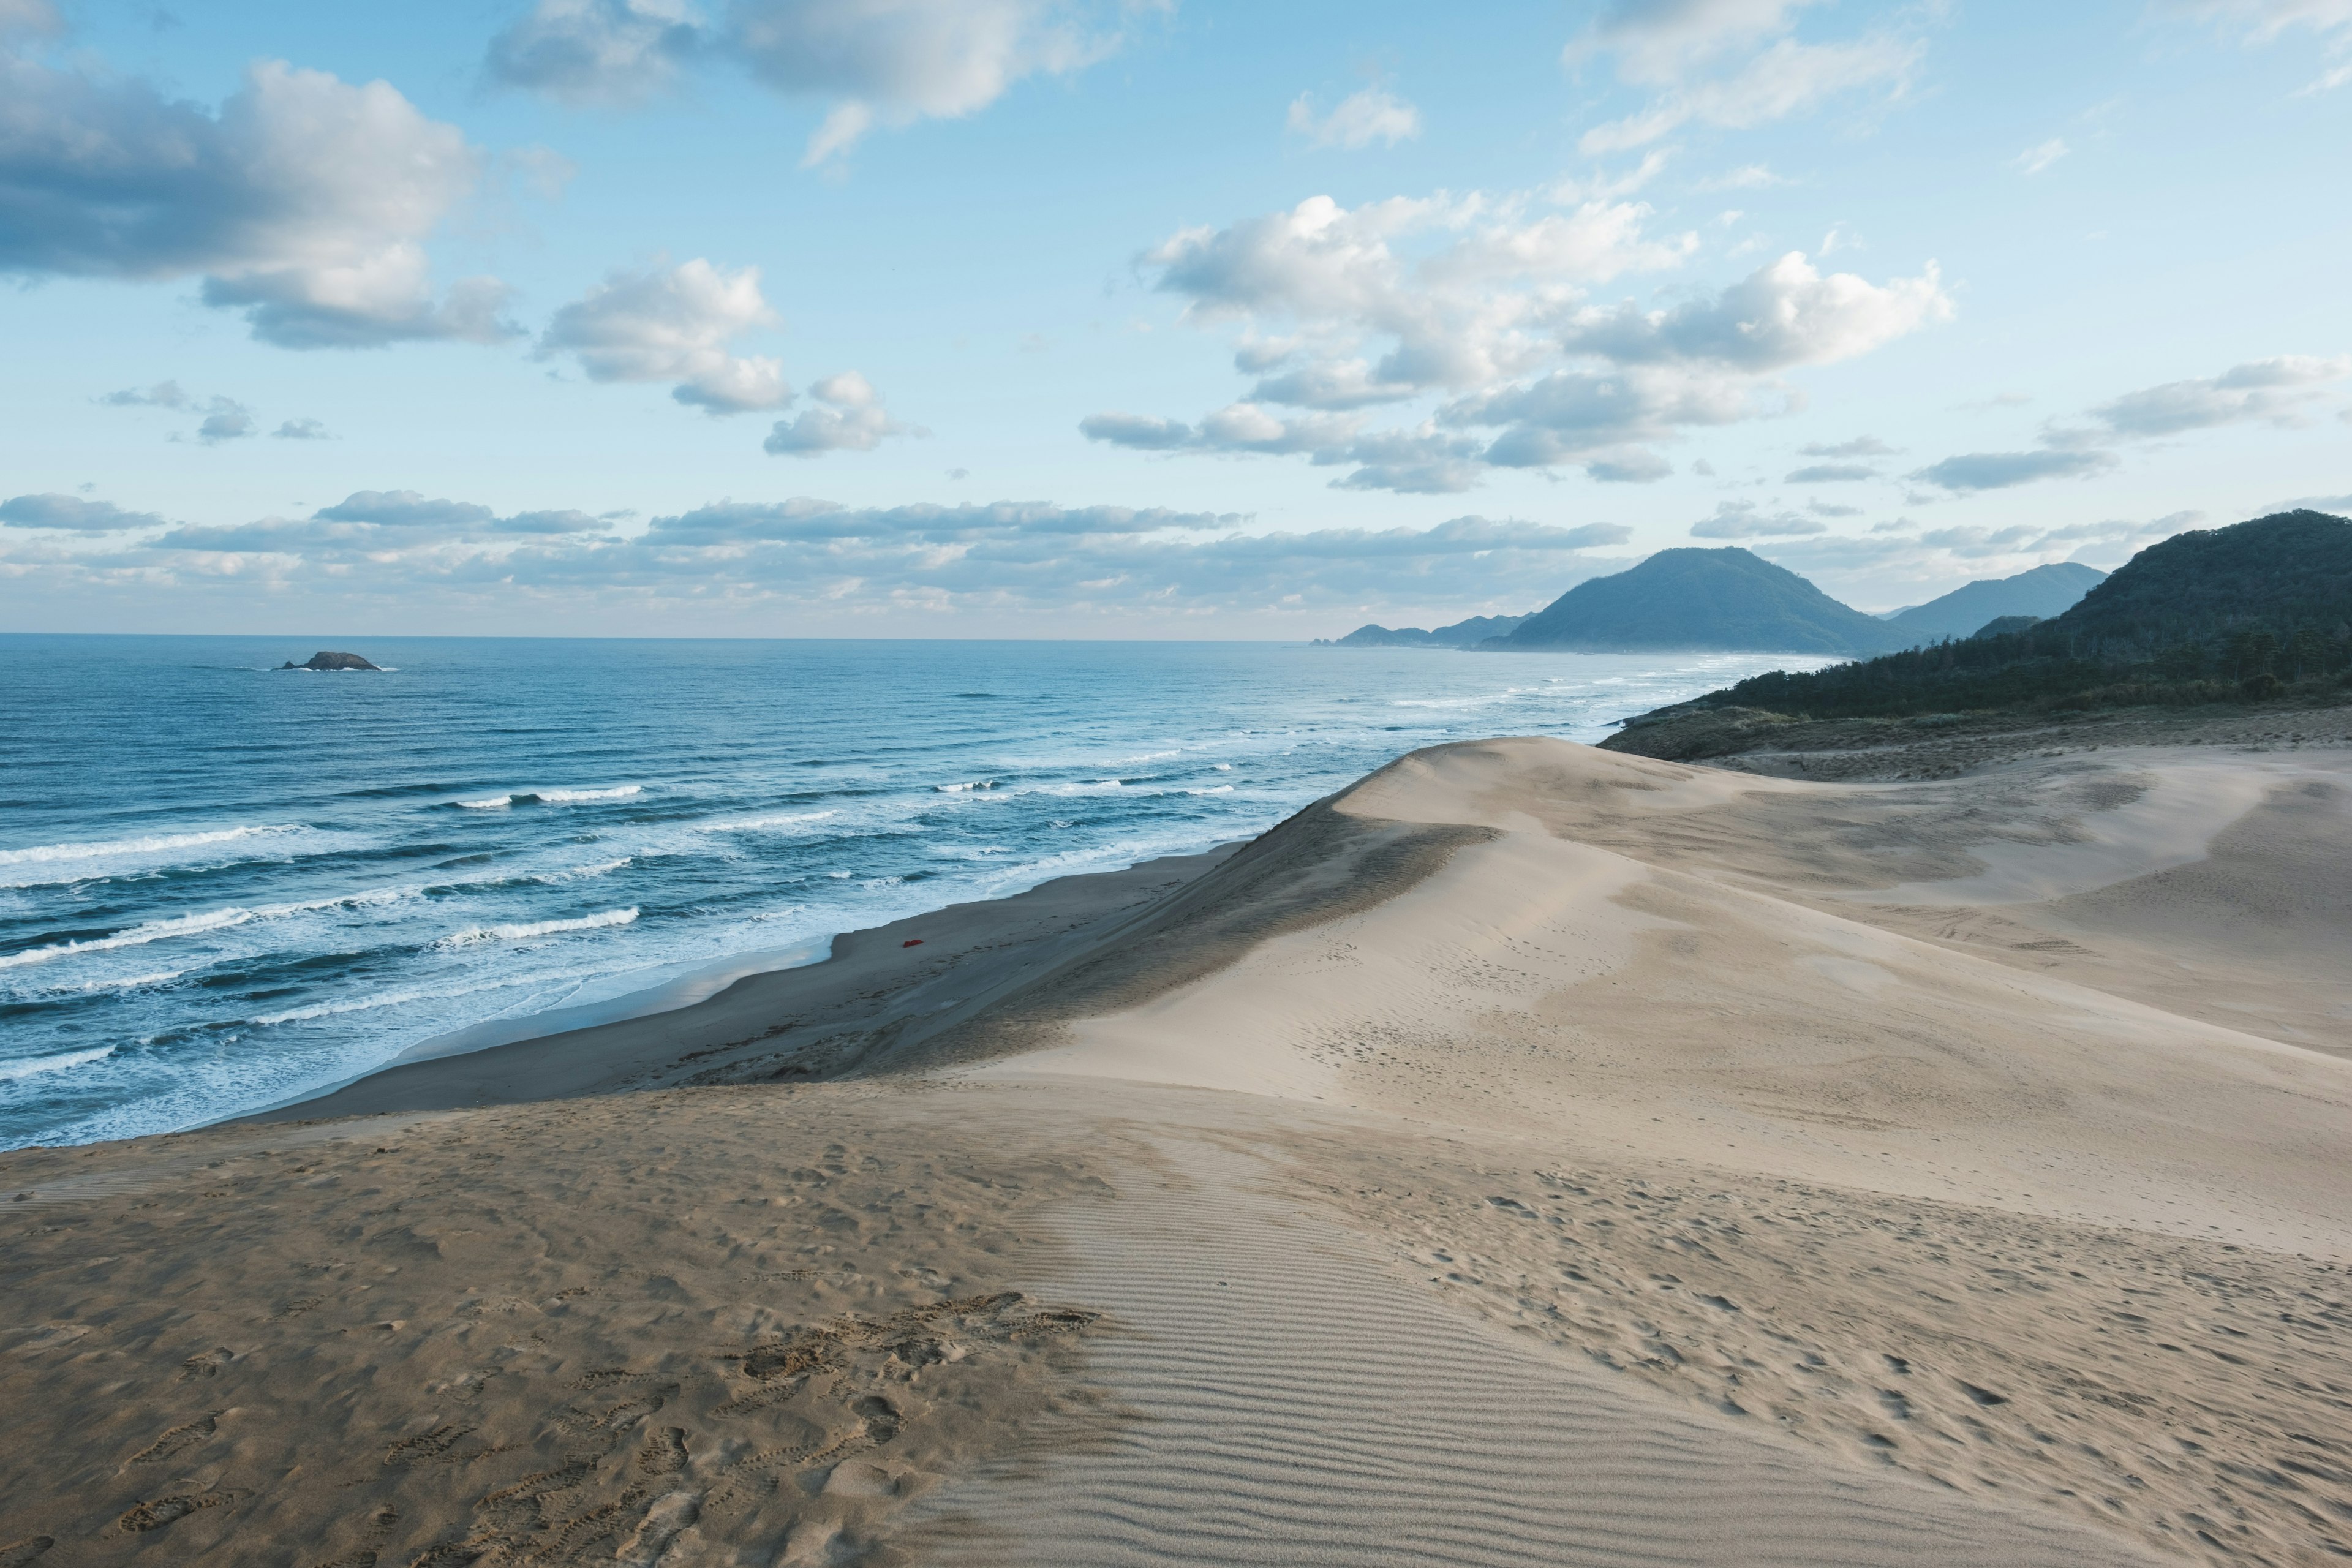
[(2254, 611), (1728, 599), (2042, 591)]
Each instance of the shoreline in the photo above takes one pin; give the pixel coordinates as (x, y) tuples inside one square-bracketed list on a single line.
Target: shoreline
[(865, 981)]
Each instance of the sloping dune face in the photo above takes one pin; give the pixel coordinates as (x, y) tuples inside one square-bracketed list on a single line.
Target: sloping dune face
[(1794, 979), (1991, 1133)]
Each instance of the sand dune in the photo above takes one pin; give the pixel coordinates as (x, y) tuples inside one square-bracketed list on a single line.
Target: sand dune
[(1532, 1154)]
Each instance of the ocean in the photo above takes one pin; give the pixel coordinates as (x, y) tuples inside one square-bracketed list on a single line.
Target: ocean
[(223, 885)]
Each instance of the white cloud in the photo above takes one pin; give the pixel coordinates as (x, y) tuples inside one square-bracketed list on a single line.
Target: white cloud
[(880, 62), (1860, 447), (674, 324), (850, 419), (1732, 64), (1371, 114), (1747, 177), (2034, 160), (304, 203), (1832, 474), (897, 61), (2261, 389), (72, 514), (302, 430), (607, 52), (2268, 389), (1781, 315), (1745, 520), (2001, 470), (1480, 300)]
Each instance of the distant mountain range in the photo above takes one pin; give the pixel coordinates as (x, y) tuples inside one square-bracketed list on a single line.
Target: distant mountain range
[(2043, 592), (1461, 634), (1733, 600)]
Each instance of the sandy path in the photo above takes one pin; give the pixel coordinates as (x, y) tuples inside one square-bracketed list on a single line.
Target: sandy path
[(1297, 1400)]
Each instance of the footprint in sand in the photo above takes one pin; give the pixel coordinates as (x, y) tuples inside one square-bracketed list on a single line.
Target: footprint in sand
[(178, 1440), (140, 1518)]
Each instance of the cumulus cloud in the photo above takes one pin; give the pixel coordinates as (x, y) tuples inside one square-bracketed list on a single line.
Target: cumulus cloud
[(849, 417), (1480, 304), (304, 203), (1369, 115), (72, 514), (1832, 474), (1860, 447), (601, 52), (1745, 520), (302, 430), (675, 324), (1781, 315), (1733, 64)]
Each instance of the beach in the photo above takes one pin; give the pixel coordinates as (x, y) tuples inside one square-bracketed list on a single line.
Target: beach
[(1530, 1154)]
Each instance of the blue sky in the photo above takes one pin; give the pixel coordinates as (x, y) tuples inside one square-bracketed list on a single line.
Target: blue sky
[(1016, 318)]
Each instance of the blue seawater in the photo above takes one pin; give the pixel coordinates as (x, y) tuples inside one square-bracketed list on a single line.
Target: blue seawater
[(222, 885)]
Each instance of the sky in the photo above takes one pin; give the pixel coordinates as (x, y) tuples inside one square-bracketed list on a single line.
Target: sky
[(1067, 319)]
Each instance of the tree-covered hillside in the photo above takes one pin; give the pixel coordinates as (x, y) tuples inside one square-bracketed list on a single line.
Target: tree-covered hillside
[(2254, 611)]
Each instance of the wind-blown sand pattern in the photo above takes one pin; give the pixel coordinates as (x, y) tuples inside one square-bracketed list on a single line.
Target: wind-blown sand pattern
[(1533, 1154)]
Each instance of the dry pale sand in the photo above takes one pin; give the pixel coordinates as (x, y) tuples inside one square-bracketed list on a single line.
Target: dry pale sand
[(1535, 1154)]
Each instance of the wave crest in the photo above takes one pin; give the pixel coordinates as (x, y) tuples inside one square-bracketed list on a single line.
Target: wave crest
[(525, 929), (45, 853)]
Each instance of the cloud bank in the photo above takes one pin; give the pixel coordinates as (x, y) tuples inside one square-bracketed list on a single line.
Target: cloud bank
[(806, 553)]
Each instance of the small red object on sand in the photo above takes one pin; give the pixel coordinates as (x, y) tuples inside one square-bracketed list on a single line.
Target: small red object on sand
[(916, 941)]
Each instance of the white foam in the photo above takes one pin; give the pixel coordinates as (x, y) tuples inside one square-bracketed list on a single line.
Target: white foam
[(527, 930), (137, 936), (198, 924), (1216, 789), (960, 788), (128, 983), (551, 797), (581, 873), (787, 820), (10, 1072), (45, 853)]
